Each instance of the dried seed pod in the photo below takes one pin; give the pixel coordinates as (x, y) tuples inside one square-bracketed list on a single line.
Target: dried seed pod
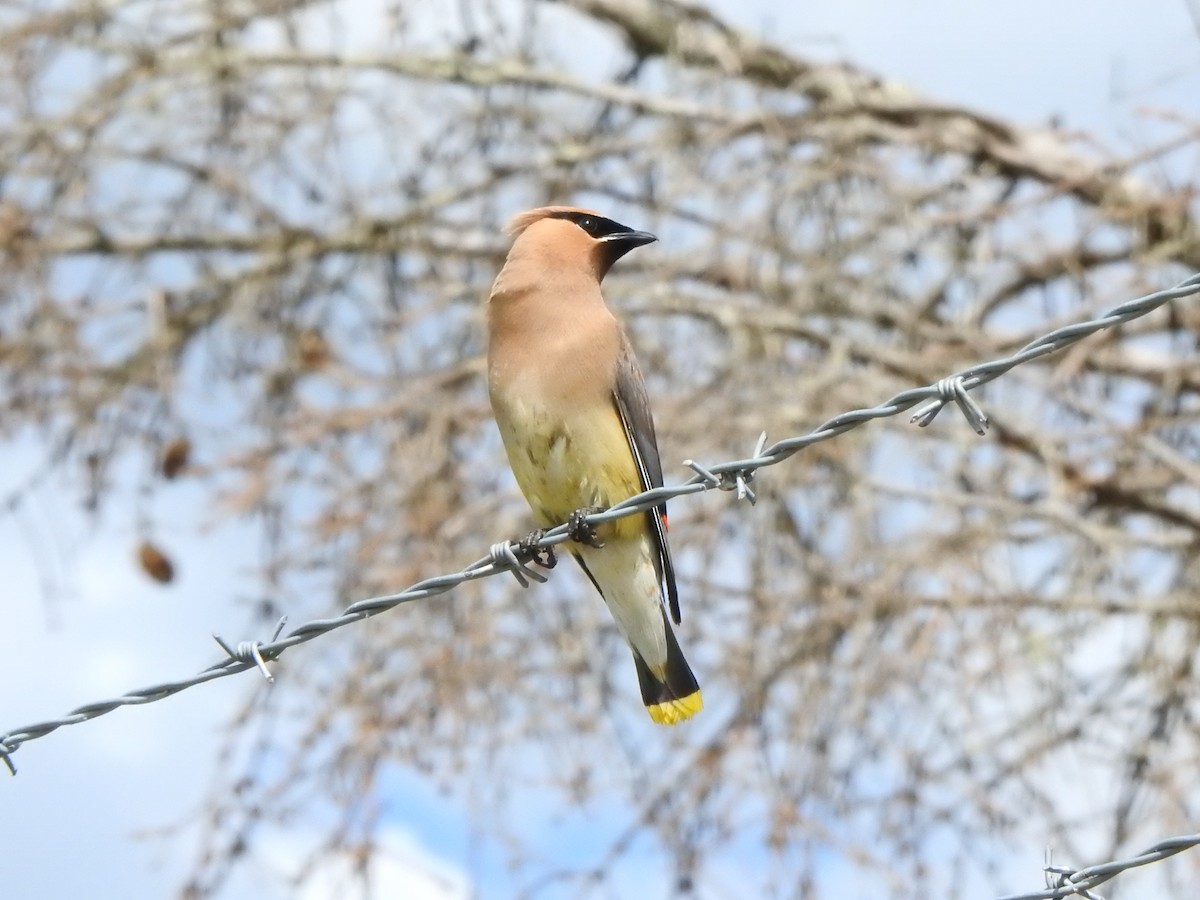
[(155, 563), (175, 457)]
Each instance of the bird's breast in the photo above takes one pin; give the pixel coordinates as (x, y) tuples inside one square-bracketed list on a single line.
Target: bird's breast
[(551, 370), (565, 456)]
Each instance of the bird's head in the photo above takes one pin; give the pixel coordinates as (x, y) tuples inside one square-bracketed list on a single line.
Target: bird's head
[(575, 236)]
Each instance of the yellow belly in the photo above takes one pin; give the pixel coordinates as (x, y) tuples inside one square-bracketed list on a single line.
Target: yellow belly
[(566, 462)]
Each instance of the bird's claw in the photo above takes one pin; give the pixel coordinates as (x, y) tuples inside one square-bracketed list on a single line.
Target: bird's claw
[(528, 549), (580, 531)]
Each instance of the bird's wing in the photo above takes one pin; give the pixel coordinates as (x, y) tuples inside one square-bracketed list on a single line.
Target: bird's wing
[(633, 405)]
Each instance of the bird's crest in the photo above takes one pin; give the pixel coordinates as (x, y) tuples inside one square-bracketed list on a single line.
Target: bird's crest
[(521, 221)]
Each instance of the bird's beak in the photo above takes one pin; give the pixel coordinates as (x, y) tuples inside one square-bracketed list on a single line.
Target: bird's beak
[(627, 240)]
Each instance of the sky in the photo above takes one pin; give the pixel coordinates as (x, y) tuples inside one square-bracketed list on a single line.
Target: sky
[(81, 623)]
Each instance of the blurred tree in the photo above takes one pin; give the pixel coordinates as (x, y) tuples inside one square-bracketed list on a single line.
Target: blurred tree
[(246, 242)]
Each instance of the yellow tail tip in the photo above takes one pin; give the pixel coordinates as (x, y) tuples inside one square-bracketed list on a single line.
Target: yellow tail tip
[(672, 712)]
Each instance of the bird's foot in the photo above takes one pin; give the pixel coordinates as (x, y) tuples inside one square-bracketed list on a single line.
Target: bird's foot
[(580, 531), (528, 550)]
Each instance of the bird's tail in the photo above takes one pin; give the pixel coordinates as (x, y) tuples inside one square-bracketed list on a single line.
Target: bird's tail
[(673, 695)]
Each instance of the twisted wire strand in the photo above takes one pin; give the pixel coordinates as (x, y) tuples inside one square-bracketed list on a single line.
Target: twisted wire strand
[(731, 475), (734, 475), (1065, 882)]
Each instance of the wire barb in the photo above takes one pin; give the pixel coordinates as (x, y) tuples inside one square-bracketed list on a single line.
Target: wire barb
[(251, 652), (735, 476), (710, 479), (953, 389), (504, 557), (1064, 880)]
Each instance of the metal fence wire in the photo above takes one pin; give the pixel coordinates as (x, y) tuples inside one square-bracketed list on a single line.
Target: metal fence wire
[(734, 475), (1066, 882)]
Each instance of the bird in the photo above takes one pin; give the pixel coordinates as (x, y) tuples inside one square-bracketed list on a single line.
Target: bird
[(574, 417)]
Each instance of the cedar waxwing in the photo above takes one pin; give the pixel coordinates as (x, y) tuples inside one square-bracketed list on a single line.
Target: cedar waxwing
[(575, 419)]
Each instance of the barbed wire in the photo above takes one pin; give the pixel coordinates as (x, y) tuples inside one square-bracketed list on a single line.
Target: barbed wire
[(1066, 882), (734, 475)]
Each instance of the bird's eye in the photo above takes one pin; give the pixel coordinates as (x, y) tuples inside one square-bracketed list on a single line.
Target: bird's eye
[(596, 226)]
